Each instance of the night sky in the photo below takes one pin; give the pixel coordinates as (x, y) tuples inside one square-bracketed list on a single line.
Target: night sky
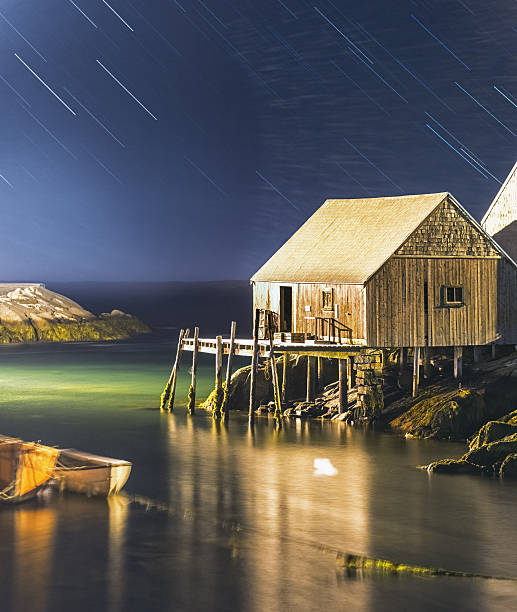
[(187, 139)]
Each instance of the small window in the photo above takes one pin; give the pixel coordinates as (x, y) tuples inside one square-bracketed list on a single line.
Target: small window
[(453, 295), (327, 299)]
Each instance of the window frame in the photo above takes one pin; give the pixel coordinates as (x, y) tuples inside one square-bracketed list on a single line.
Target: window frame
[(457, 292), (324, 301)]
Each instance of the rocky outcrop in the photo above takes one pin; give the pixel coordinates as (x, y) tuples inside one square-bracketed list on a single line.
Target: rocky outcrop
[(32, 313)]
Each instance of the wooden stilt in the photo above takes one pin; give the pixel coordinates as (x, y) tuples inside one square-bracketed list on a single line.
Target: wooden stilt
[(192, 391), (284, 377), (416, 370), (254, 362), (319, 375), (402, 357), (458, 361), (494, 351), (352, 371), (218, 377), (477, 354), (343, 384), (229, 364), (274, 372), (171, 383), (427, 362), (310, 379)]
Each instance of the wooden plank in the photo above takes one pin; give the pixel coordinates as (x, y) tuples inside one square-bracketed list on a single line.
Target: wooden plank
[(191, 404)]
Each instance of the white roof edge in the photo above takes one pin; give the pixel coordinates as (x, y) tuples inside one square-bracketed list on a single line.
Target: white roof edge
[(495, 244), (503, 186)]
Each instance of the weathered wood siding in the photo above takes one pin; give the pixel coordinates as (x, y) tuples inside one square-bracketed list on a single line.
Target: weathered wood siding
[(348, 298), (395, 302), (507, 302)]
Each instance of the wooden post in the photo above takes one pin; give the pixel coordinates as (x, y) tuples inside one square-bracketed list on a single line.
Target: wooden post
[(284, 377), (343, 384), (192, 391), (352, 371), (477, 354), (402, 357), (310, 379), (416, 370), (427, 362), (231, 353), (319, 375), (218, 377), (171, 383), (274, 373), (458, 361), (254, 362), (494, 351)]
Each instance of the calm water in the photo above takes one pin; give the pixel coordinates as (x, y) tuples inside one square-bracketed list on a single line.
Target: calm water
[(247, 514)]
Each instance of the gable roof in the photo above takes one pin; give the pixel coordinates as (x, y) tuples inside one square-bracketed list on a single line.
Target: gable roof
[(495, 200), (346, 241)]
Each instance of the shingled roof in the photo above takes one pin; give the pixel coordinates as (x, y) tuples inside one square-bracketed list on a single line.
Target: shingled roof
[(346, 241)]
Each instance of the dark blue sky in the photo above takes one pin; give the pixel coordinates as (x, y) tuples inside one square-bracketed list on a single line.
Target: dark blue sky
[(246, 116)]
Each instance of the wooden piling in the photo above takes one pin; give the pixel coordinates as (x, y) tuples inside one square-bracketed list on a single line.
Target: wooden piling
[(310, 379), (416, 370), (254, 363), (274, 372), (343, 384), (166, 395), (229, 364), (494, 351), (458, 361), (192, 391), (319, 375), (218, 377), (477, 354), (402, 357), (284, 377)]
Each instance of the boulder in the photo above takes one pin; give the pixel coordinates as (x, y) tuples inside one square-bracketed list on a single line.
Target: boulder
[(492, 453), (490, 432), (454, 466), (509, 466)]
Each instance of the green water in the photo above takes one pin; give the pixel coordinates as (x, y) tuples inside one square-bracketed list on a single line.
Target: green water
[(246, 518)]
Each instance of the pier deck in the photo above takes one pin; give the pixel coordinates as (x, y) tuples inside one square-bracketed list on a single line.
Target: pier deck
[(244, 347)]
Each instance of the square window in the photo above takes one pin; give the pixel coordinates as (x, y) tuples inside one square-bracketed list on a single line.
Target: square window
[(452, 295)]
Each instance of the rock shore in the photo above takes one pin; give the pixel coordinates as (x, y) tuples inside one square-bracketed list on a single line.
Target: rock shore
[(32, 313)]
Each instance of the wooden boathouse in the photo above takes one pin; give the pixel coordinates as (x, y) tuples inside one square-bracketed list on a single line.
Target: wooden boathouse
[(364, 275)]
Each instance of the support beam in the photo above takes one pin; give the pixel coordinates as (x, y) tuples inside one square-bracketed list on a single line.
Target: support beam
[(416, 370), (494, 351), (310, 378), (192, 391), (253, 374), (168, 398), (477, 354), (229, 364), (427, 362), (274, 371), (458, 361), (218, 377), (319, 375), (285, 375), (344, 365), (402, 357)]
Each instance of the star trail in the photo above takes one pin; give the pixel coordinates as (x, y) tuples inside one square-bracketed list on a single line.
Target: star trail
[(191, 137)]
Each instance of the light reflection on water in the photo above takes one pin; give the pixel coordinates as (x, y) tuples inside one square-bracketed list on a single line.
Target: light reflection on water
[(248, 516)]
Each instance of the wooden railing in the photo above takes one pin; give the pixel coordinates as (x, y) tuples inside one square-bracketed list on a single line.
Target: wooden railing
[(331, 330)]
